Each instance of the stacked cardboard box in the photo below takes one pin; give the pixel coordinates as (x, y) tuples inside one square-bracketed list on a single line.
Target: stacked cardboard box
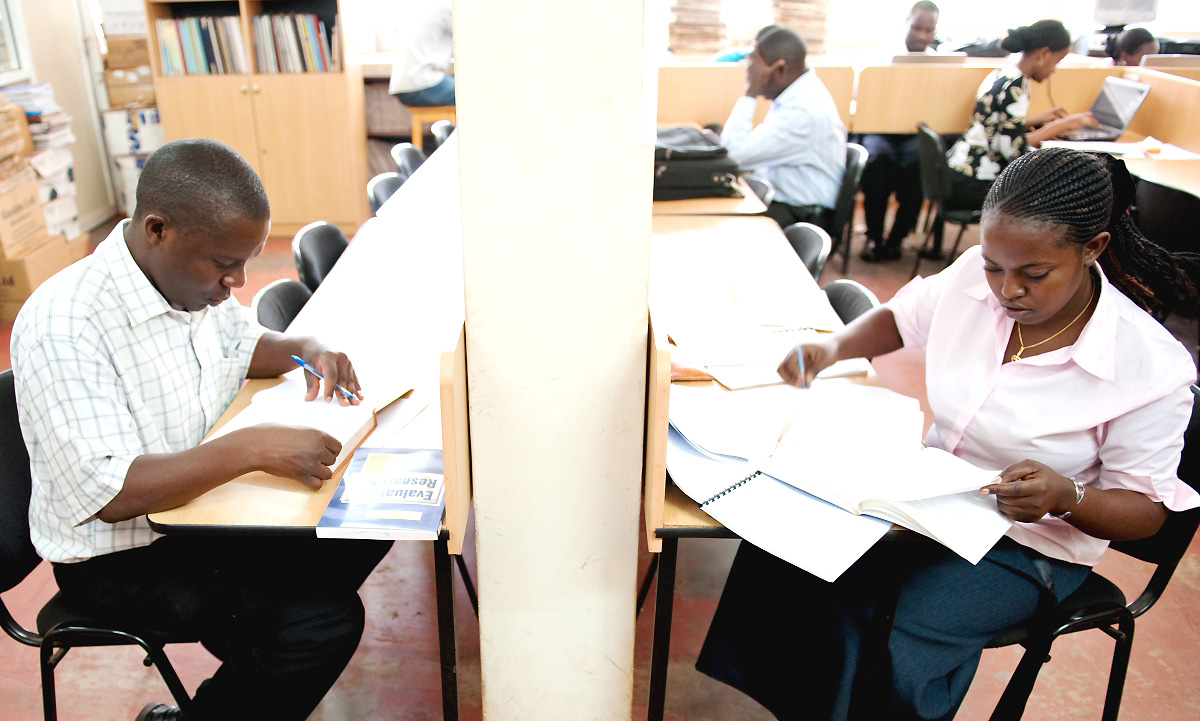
[(50, 128), (127, 72), (130, 136), (29, 252)]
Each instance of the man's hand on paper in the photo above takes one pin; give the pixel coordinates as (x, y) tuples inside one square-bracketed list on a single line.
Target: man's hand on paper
[(816, 356), (338, 371), (1027, 490), (302, 454)]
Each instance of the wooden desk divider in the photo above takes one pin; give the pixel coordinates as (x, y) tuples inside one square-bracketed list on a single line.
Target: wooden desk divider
[(894, 98), (654, 470), (456, 446), (1072, 88), (704, 93), (1170, 110)]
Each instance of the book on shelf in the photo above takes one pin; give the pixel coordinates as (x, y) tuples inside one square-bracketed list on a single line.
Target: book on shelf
[(293, 43), (387, 493), (201, 45)]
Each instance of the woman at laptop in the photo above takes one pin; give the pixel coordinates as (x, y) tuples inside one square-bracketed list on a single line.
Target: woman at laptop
[(1041, 360), (1000, 129)]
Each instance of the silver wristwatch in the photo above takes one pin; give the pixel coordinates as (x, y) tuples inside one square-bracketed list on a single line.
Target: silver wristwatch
[(1079, 487)]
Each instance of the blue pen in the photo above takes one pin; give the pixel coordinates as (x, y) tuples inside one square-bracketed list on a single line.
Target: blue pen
[(305, 365), (799, 358)]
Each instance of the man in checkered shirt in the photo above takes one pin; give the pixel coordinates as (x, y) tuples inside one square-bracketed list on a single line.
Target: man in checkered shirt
[(123, 362)]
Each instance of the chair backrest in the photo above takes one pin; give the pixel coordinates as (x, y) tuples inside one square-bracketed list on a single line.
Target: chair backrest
[(849, 298), (762, 188), (17, 555), (843, 209), (277, 304), (408, 158), (931, 157), (380, 188), (812, 244), (1167, 547), (315, 249), (1167, 215), (441, 131)]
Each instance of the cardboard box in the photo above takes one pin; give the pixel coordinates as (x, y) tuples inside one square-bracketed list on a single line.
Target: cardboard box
[(19, 278), (22, 225), (61, 216), (132, 132), (120, 77), (128, 51), (126, 170), (131, 96)]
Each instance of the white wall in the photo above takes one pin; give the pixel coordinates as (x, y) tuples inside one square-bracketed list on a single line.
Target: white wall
[(555, 177)]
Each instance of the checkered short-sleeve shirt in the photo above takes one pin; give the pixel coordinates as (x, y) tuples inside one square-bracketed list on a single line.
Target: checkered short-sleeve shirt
[(107, 371)]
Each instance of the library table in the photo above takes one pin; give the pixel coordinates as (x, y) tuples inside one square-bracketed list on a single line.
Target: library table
[(747, 263)]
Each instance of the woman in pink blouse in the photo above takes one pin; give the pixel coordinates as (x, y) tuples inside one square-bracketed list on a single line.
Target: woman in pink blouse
[(1041, 360)]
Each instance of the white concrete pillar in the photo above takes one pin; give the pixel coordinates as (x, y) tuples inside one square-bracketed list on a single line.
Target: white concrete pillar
[(555, 177)]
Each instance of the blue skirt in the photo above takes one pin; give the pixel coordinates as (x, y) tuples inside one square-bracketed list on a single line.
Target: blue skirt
[(792, 641)]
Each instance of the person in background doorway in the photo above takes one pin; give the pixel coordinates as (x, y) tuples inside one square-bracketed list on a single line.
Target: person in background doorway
[(424, 50), (1130, 45), (892, 166), (800, 147)]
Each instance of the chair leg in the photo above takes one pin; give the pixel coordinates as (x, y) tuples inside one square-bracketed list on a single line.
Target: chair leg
[(1120, 665), (645, 589), (954, 250), (847, 236), (49, 703), (1016, 695)]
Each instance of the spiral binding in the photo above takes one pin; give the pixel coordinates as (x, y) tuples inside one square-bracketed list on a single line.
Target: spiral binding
[(733, 487)]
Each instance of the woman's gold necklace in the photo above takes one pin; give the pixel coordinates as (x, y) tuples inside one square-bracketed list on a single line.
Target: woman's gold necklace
[(1021, 341)]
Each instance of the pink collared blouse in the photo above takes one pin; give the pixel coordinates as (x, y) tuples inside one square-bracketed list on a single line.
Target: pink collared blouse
[(1109, 410)]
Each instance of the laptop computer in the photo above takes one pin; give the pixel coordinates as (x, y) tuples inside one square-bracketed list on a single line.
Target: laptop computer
[(1113, 109)]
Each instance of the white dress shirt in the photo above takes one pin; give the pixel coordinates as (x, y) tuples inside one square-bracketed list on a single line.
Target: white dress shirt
[(107, 371), (800, 147), (424, 47), (1109, 410)]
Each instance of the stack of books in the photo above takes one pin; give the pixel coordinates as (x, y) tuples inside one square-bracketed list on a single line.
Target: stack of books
[(201, 46), (50, 129), (296, 43)]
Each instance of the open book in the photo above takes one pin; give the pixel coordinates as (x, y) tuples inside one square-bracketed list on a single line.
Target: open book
[(284, 403), (387, 493), (926, 490)]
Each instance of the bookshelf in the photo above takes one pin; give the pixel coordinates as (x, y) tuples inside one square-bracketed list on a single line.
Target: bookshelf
[(298, 120)]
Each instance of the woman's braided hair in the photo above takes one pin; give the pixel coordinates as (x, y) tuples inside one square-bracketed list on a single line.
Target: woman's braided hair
[(1086, 195)]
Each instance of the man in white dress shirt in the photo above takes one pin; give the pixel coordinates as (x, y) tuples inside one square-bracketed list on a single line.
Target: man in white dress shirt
[(122, 363), (421, 72), (800, 147)]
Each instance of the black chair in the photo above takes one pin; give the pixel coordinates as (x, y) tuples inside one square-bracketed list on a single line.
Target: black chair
[(849, 298), (1100, 604), (408, 158), (315, 249), (277, 304), (380, 188), (441, 131), (59, 628), (812, 244), (762, 188), (838, 226), (1167, 215), (935, 183)]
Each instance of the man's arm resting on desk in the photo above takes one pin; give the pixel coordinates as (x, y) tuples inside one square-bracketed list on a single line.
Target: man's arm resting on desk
[(161, 481), (273, 357)]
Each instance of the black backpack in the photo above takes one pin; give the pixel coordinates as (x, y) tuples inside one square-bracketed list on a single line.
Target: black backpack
[(690, 163)]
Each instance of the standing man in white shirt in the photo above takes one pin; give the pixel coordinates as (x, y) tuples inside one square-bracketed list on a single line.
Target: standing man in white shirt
[(122, 364), (421, 73), (800, 147), (892, 163)]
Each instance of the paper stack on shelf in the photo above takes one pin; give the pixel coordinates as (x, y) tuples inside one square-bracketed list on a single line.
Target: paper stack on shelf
[(50, 129)]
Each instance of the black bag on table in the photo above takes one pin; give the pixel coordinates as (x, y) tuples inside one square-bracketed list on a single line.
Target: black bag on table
[(689, 163)]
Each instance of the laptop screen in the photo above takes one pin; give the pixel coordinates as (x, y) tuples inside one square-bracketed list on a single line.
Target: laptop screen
[(1117, 102)]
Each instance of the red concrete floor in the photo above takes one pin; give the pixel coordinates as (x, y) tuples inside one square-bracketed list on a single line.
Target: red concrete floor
[(395, 674)]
